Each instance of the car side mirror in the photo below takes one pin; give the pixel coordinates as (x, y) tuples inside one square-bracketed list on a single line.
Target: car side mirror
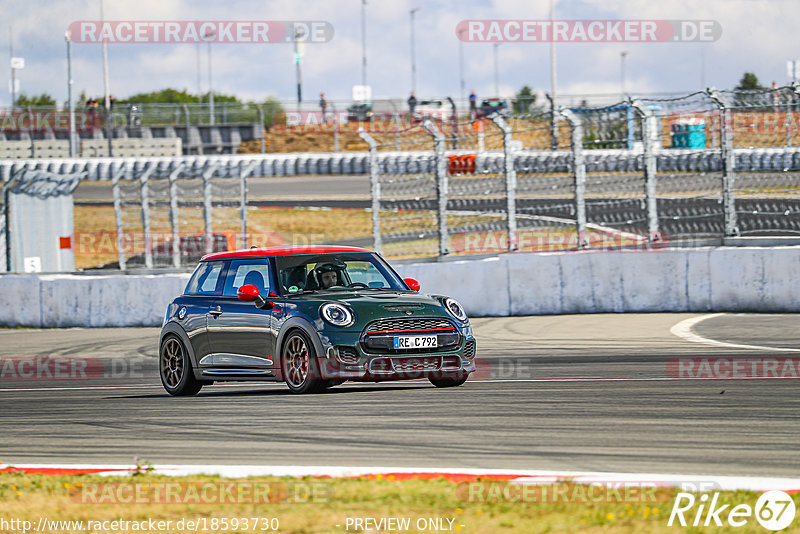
[(412, 284), (249, 293)]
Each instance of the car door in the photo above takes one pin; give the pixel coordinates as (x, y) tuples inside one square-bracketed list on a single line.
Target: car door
[(241, 334), (203, 289)]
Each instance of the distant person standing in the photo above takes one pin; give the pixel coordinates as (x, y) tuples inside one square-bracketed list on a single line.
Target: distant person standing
[(323, 105), (412, 104), (473, 104)]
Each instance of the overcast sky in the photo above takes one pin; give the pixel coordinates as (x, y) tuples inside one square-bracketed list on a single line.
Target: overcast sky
[(757, 36)]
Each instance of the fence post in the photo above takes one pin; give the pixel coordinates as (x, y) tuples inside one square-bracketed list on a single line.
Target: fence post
[(207, 207), (243, 199), (510, 171), (375, 189), (440, 162), (173, 215), (650, 179), (553, 122), (789, 116), (579, 174), (6, 219), (118, 216), (454, 123), (144, 194), (728, 173), (261, 123)]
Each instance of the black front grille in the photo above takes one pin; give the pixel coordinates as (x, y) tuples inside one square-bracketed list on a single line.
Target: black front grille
[(469, 349), (379, 335), (402, 325)]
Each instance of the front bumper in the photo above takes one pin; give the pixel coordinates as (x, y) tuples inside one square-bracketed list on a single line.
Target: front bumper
[(345, 359)]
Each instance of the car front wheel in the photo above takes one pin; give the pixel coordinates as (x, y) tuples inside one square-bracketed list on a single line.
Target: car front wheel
[(299, 363), (175, 368)]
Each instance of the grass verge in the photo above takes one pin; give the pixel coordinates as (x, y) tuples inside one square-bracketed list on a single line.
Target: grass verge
[(332, 505)]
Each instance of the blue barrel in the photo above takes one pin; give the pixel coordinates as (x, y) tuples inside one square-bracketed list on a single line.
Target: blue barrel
[(688, 134)]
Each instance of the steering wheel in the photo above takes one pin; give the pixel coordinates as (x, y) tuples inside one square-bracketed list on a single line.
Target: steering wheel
[(357, 284)]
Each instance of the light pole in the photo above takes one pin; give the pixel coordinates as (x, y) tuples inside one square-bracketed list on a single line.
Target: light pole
[(298, 33), (208, 37), (199, 72), (13, 68), (702, 66), (107, 100), (462, 85), (552, 97), (552, 55), (413, 58), (364, 43), (622, 71), (70, 108), (495, 46)]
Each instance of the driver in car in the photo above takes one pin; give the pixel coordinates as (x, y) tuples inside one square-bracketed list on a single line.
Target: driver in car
[(328, 275)]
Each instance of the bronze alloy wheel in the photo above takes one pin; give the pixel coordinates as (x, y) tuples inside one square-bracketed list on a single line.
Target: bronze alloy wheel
[(176, 369), (299, 365)]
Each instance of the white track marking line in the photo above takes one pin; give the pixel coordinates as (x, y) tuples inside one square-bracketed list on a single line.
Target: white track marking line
[(633, 379), (684, 330)]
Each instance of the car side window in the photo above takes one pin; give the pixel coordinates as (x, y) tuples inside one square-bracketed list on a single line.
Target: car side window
[(250, 271), (205, 278)]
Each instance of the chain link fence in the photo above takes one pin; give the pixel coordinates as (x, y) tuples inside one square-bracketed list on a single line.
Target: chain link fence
[(169, 218), (690, 170), (639, 173)]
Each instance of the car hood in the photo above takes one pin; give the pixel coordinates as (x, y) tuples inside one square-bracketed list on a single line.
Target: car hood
[(374, 304)]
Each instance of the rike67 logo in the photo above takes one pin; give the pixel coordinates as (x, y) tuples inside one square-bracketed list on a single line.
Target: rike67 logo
[(774, 510)]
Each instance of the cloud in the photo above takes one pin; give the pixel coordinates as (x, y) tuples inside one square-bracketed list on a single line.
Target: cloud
[(757, 37)]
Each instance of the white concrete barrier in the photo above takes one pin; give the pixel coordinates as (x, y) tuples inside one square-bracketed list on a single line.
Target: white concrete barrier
[(746, 279), (735, 279), (75, 300)]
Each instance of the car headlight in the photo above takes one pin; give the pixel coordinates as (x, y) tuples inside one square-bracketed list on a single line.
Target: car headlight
[(336, 314), (455, 309)]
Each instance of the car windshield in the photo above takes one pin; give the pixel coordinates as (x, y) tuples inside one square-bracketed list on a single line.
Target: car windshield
[(335, 272)]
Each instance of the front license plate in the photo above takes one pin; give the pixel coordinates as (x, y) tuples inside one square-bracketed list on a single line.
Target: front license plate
[(415, 342)]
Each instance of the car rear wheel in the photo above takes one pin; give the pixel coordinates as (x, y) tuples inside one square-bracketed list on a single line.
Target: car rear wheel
[(175, 368), (449, 381), (299, 363)]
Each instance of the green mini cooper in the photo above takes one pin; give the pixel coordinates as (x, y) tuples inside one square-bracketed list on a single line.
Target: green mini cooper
[(313, 317)]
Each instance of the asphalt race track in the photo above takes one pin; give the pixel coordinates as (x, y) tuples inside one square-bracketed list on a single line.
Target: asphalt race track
[(583, 392)]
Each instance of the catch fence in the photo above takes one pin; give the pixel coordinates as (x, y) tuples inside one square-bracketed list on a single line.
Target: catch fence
[(639, 173)]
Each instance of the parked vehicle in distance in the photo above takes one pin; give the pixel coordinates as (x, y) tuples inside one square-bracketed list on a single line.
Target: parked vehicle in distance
[(493, 105), (359, 112), (313, 317), (437, 110)]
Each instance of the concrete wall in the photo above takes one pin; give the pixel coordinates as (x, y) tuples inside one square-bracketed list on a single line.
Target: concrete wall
[(740, 279)]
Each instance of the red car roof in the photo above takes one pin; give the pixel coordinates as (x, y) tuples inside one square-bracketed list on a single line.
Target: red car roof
[(280, 251)]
